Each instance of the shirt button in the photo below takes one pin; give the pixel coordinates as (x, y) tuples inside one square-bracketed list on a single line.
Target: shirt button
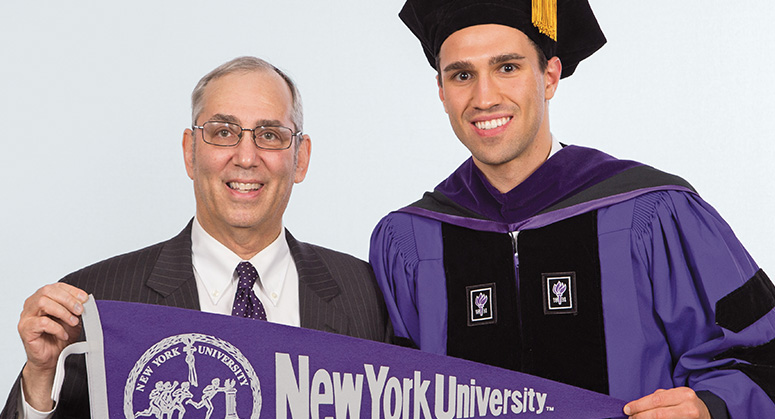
[(274, 295), (216, 293)]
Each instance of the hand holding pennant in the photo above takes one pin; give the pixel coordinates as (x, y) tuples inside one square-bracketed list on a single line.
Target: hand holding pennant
[(154, 361)]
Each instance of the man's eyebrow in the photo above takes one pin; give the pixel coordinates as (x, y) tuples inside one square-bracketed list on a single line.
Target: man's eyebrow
[(225, 118), (459, 65), (268, 122), (499, 59), (234, 120)]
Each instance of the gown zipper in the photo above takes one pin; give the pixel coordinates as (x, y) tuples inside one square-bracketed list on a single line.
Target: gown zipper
[(518, 309), (514, 235)]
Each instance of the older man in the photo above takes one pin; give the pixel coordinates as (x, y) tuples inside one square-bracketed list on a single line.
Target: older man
[(564, 262), (244, 152)]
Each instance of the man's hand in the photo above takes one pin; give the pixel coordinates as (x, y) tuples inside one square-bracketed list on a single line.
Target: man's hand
[(680, 402), (49, 322)]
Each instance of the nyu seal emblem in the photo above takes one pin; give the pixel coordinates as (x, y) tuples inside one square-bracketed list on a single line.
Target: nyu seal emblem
[(558, 289), (192, 376), (481, 304), (559, 293)]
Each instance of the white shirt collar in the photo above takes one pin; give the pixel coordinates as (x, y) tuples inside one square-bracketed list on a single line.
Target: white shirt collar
[(556, 146), (215, 266), (213, 263), (272, 265)]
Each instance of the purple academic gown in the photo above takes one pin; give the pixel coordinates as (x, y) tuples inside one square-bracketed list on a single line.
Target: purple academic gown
[(683, 304)]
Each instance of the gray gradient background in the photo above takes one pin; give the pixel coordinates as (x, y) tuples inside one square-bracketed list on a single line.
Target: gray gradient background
[(94, 97)]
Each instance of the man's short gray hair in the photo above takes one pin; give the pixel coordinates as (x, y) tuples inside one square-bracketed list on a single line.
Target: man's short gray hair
[(247, 64)]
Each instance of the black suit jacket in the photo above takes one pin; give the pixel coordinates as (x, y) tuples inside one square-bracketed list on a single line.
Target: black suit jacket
[(337, 293)]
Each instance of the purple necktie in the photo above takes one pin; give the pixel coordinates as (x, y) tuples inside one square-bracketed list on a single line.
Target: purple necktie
[(246, 303)]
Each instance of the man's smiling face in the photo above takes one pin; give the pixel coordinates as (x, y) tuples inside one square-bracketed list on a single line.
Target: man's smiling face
[(243, 187), (495, 93)]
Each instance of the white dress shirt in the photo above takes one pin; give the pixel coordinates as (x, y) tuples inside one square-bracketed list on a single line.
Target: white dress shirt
[(216, 283), (216, 278), (556, 146)]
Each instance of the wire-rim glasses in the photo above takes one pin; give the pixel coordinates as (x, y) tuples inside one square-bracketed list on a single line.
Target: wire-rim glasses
[(227, 134)]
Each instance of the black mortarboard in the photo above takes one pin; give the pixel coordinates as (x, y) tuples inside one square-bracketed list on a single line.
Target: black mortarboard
[(568, 28)]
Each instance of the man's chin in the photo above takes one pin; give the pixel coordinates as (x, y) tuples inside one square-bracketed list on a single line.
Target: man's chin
[(491, 160), (243, 224)]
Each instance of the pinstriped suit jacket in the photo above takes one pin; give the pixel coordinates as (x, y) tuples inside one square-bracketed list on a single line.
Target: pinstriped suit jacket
[(337, 293)]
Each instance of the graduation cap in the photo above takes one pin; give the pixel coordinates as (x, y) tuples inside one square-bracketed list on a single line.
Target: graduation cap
[(563, 28)]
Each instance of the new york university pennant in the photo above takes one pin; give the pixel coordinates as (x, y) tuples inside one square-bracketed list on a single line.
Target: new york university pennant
[(161, 362)]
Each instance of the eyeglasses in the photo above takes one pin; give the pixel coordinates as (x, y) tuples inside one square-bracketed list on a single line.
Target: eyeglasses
[(226, 134)]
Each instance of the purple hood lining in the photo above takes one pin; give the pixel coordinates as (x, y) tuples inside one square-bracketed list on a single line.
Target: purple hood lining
[(557, 190)]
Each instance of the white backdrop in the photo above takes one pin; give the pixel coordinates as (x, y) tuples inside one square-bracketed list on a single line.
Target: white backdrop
[(94, 97)]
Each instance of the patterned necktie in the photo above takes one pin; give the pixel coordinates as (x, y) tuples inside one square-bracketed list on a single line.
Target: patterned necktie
[(246, 303)]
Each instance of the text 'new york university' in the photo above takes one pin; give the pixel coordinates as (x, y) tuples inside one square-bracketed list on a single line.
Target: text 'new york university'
[(340, 395)]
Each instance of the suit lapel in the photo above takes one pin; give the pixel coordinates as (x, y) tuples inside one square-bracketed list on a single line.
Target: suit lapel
[(173, 275), (317, 290), (173, 278)]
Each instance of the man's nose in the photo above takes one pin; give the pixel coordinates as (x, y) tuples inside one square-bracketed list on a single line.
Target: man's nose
[(486, 93), (246, 151)]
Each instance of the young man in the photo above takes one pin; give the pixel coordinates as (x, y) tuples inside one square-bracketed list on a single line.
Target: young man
[(564, 262), (244, 152)]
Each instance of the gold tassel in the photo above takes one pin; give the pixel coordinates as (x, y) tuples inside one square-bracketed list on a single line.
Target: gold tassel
[(545, 17)]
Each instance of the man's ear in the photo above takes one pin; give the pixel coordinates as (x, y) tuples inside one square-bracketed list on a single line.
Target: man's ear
[(302, 158), (552, 77), (441, 91), (188, 151)]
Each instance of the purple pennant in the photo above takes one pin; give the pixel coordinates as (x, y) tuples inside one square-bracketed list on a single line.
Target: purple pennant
[(252, 370)]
